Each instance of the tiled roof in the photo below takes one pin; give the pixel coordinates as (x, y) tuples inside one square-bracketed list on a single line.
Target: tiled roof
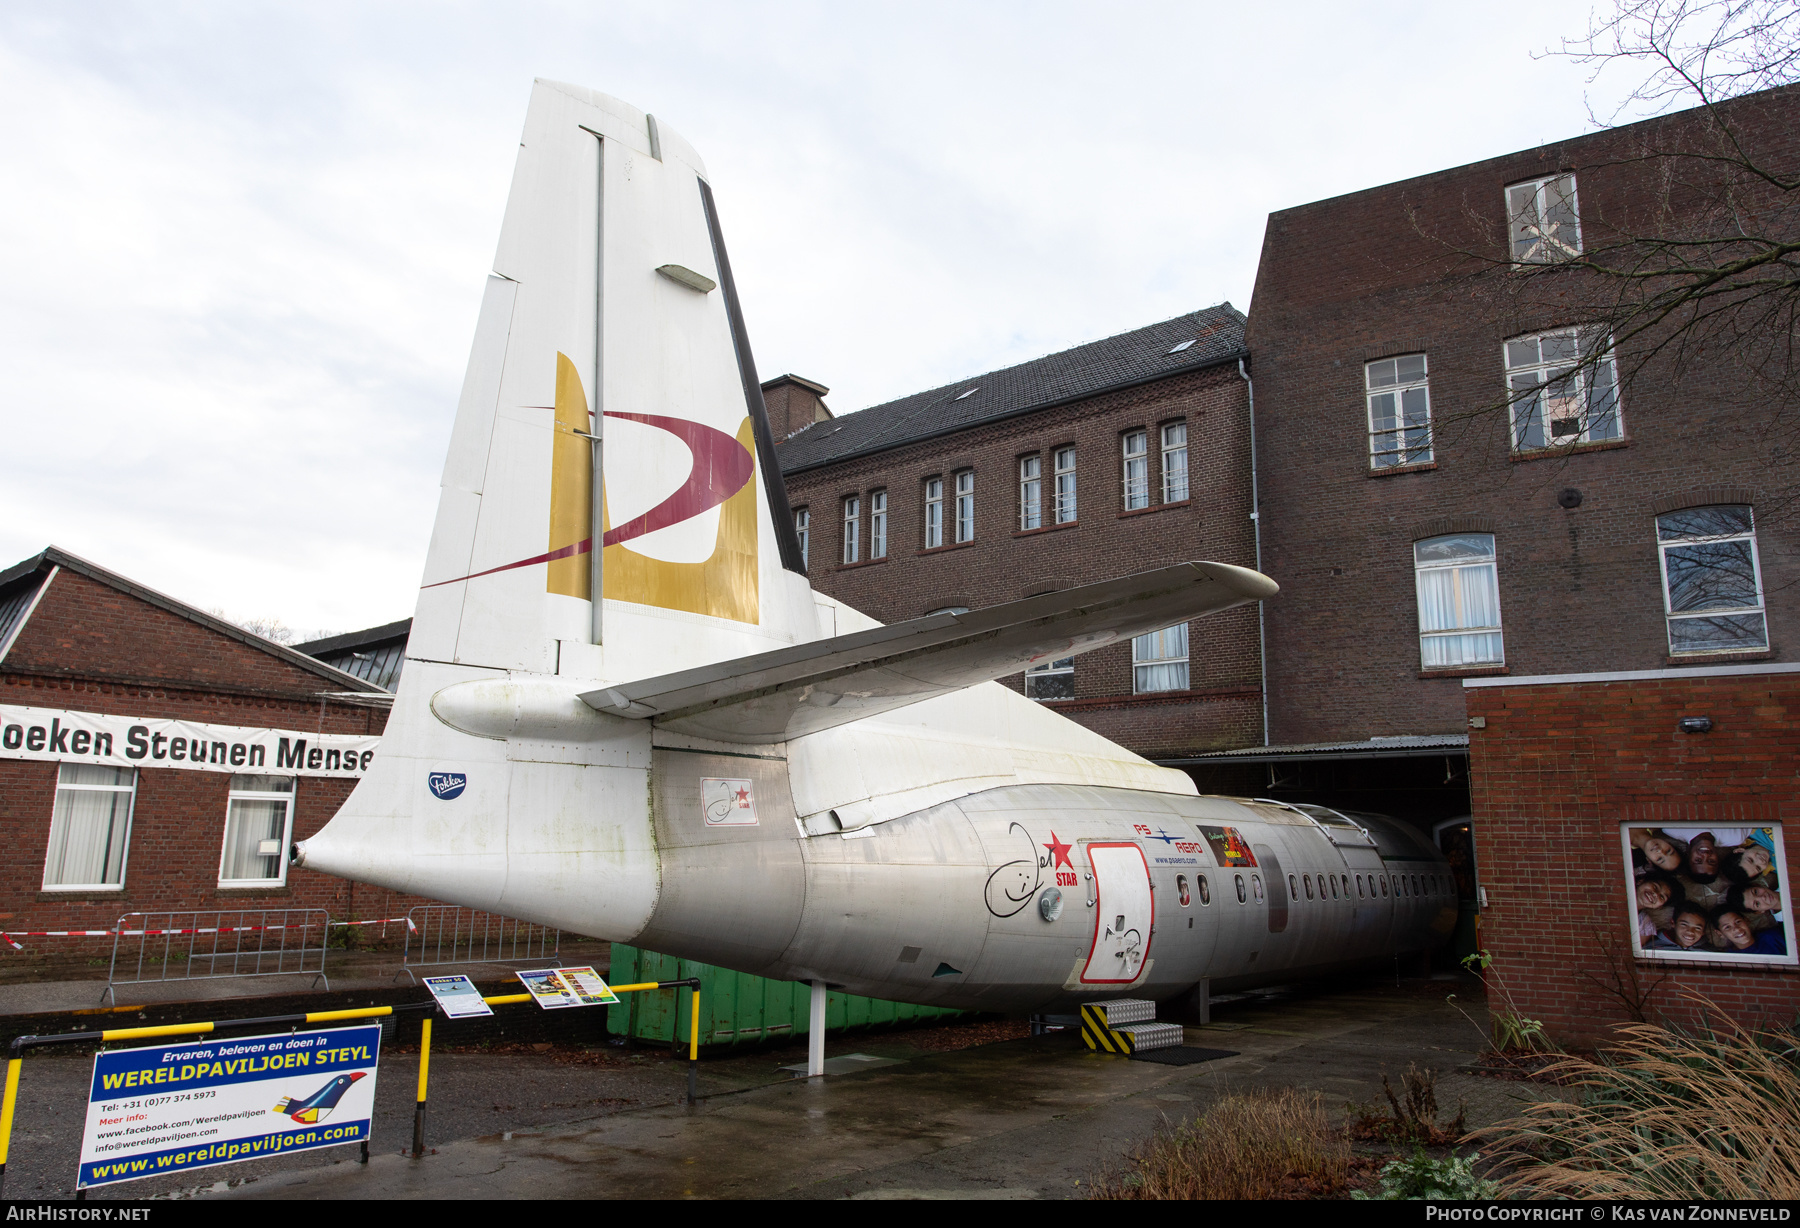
[(1130, 358)]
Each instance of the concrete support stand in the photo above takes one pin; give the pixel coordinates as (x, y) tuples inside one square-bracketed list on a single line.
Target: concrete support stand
[(1203, 1001), (815, 1037)]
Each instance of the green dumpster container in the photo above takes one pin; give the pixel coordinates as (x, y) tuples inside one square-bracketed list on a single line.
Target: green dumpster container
[(735, 1008)]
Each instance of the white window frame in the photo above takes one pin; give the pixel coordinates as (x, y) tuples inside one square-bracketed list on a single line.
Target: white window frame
[(1174, 462), (803, 531), (1031, 492), (1064, 668), (1532, 240), (1155, 651), (1134, 476), (50, 848), (965, 505), (1065, 485), (1582, 382), (852, 525), (1671, 617), (878, 524), (286, 838), (1463, 574), (1390, 445), (934, 513)]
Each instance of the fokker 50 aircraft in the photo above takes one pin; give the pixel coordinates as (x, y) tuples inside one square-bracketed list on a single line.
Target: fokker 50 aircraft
[(627, 714)]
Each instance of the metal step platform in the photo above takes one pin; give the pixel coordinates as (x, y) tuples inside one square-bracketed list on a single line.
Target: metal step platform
[(1126, 1025)]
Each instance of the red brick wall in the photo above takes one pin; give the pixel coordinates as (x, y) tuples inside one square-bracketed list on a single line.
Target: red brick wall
[(1377, 273), (1556, 772), (1001, 564), (89, 647)]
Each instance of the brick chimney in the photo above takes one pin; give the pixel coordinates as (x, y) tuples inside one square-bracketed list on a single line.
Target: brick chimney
[(794, 404)]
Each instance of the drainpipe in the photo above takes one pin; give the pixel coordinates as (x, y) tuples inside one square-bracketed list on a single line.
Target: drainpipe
[(1262, 636)]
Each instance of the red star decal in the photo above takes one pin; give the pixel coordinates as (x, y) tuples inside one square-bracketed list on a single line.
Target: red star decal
[(1059, 853), (743, 796)]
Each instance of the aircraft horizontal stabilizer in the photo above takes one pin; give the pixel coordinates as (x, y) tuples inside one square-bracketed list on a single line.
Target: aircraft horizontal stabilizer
[(774, 696)]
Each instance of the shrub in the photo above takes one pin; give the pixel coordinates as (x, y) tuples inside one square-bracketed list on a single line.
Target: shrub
[(1246, 1146), (1422, 1176)]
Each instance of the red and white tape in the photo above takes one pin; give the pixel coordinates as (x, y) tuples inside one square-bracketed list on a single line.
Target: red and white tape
[(9, 935)]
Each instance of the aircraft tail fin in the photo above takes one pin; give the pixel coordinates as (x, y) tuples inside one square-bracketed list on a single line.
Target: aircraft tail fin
[(610, 412)]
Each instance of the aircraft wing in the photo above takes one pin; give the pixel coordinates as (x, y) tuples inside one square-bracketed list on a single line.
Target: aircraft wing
[(774, 696)]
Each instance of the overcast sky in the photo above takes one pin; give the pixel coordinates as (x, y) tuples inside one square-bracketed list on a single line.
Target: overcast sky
[(245, 242)]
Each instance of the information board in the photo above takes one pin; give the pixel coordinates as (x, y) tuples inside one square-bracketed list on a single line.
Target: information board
[(170, 1108)]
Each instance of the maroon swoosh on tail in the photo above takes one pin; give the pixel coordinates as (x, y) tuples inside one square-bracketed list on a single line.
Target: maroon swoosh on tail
[(580, 547), (721, 467)]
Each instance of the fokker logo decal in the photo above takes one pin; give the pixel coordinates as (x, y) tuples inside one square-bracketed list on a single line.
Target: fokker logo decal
[(446, 786)]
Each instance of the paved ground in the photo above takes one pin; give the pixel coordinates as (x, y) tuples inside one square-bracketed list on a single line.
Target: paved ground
[(1024, 1118)]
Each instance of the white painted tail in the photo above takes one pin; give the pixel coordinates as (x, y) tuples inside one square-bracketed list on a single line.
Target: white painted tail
[(609, 328)]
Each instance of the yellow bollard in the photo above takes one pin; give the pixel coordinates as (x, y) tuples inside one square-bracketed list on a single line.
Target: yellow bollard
[(6, 1112), (424, 1072), (694, 1046)]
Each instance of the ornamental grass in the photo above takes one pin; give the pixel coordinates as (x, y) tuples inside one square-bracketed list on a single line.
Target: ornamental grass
[(1268, 1145), (1663, 1113)]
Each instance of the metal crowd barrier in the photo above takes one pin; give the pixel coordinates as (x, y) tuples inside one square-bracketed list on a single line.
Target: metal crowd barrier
[(187, 946), (15, 1058), (441, 934)]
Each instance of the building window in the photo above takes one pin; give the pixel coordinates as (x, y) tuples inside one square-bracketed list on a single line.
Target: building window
[(1031, 492), (1543, 221), (1159, 660), (878, 524), (852, 521), (934, 513), (803, 531), (90, 827), (1065, 485), (1564, 389), (1174, 462), (258, 821), (1137, 470), (1712, 582), (1055, 680), (965, 506), (1459, 601), (1399, 411)]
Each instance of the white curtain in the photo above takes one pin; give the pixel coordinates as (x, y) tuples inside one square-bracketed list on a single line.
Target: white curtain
[(87, 838), (1454, 598), (1160, 660), (249, 822)]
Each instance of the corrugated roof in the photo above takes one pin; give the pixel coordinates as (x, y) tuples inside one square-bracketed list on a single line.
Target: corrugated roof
[(1136, 357), (1402, 746)]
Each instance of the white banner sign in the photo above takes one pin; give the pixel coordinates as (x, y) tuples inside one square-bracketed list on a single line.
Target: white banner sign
[(129, 741), (170, 1108)]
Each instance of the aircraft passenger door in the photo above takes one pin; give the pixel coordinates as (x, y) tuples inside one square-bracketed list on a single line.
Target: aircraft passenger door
[(1123, 913)]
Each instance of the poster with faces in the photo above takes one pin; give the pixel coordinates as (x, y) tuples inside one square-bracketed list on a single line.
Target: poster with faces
[(1711, 894)]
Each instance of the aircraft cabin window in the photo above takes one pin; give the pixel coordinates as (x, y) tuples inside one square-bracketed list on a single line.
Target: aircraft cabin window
[(1307, 883), (1205, 891), (1384, 886), (1293, 888), (1334, 887), (1240, 888), (1181, 890), (1256, 887), (1359, 887)]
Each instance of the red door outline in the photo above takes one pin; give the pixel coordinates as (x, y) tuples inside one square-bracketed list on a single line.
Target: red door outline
[(1099, 912)]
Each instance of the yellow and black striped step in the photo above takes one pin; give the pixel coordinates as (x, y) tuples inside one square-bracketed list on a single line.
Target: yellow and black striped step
[(1126, 1025)]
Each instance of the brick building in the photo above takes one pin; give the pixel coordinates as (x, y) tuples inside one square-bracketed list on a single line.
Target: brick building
[(155, 758), (1565, 767), (1441, 499), (1113, 457)]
